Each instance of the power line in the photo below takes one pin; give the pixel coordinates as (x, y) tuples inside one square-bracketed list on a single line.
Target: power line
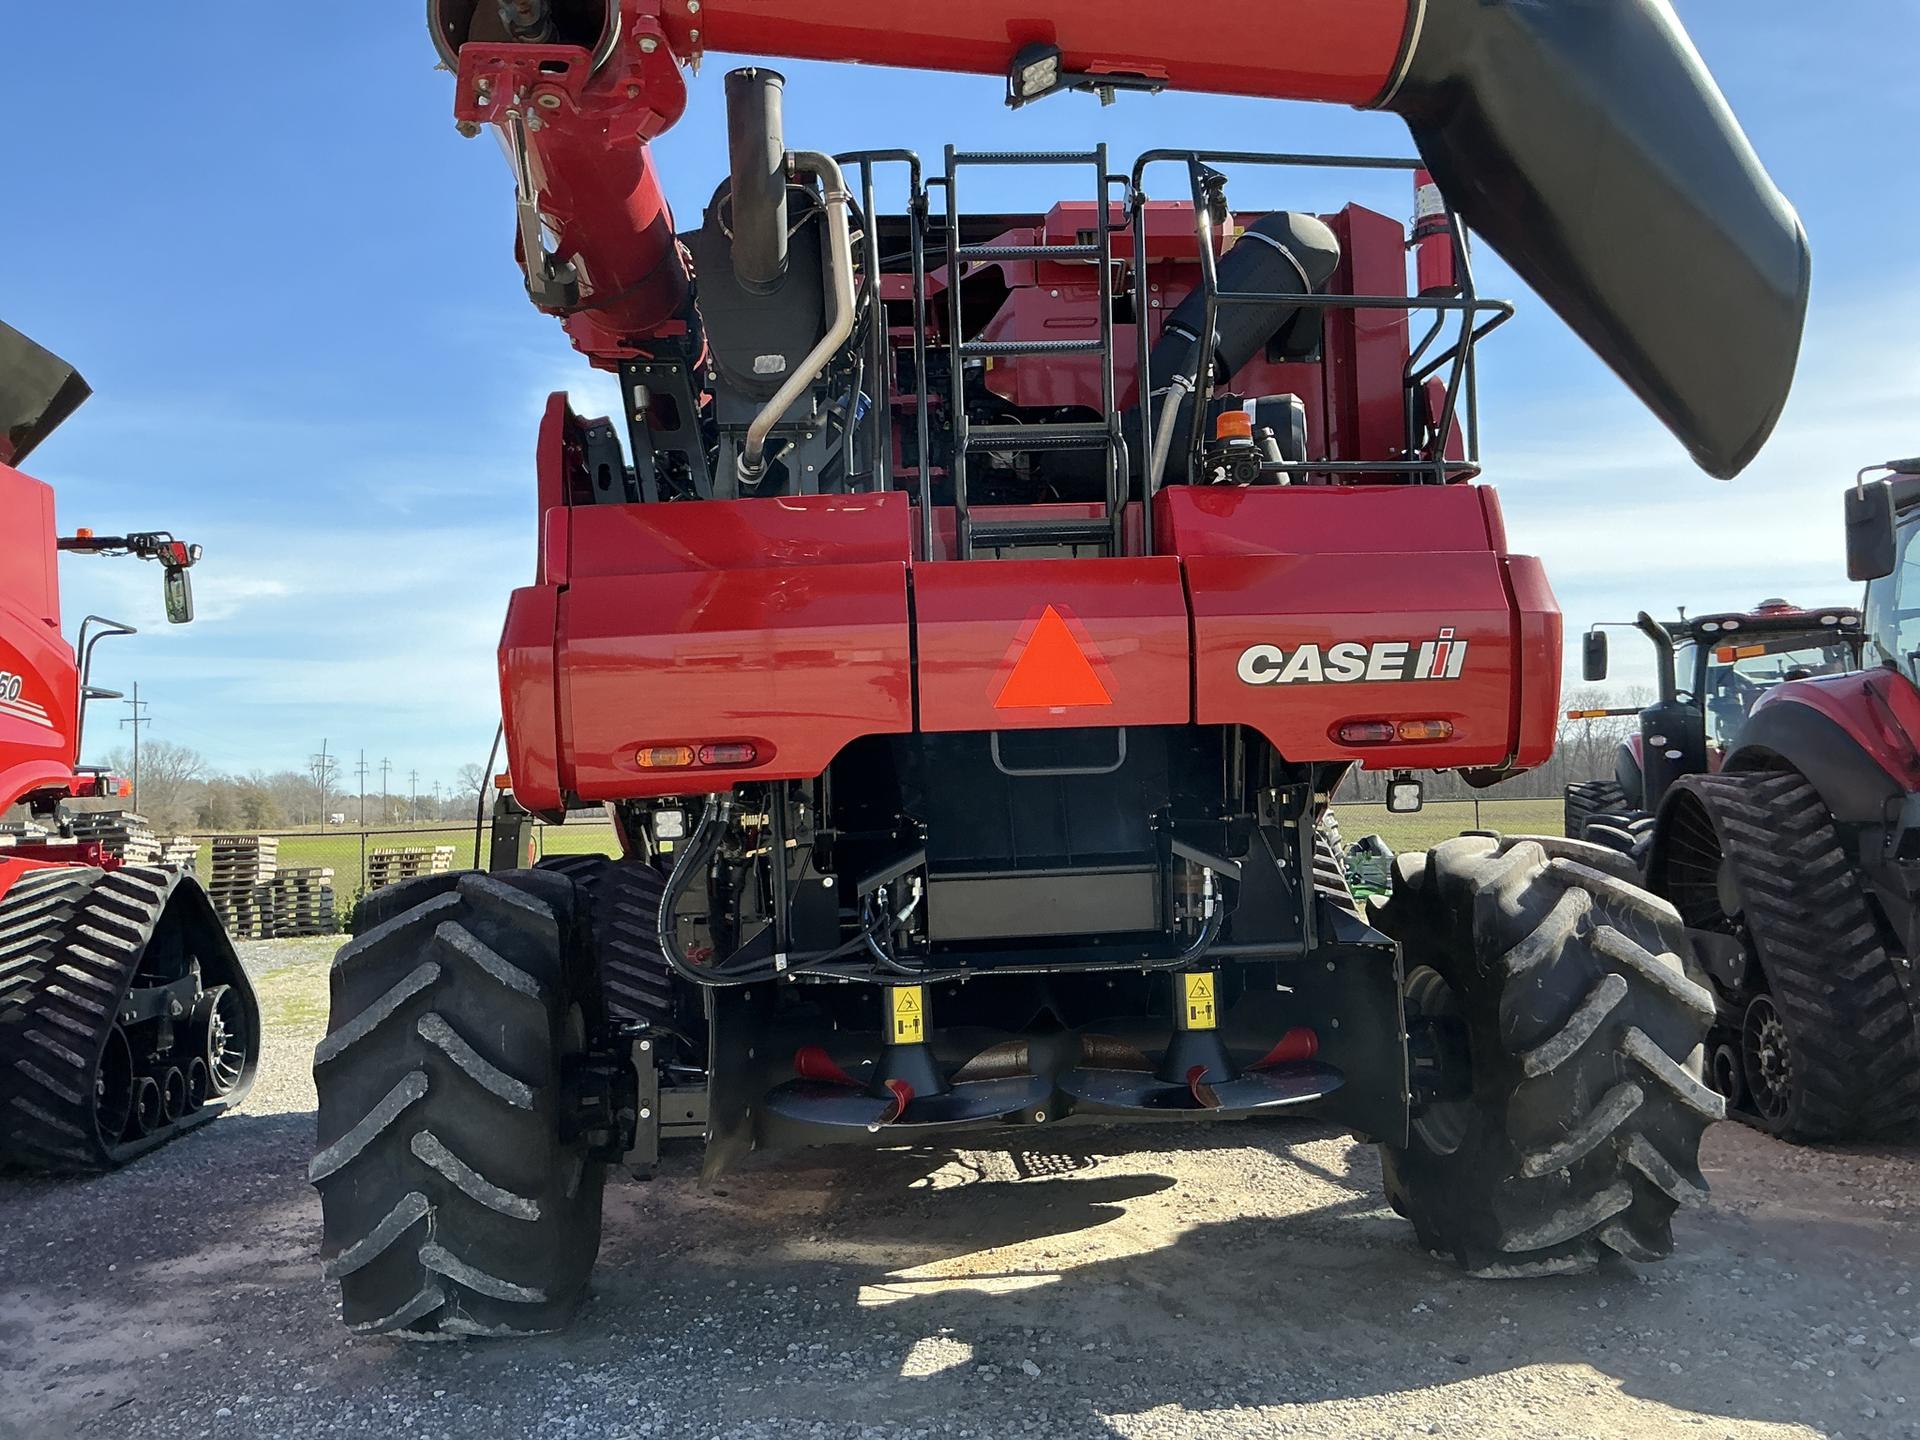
[(138, 718), (321, 767)]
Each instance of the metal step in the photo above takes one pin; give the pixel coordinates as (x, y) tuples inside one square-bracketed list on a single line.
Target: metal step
[(1038, 437), (989, 533), (985, 349), (1028, 252)]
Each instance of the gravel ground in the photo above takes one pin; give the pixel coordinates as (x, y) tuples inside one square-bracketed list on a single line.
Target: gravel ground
[(1244, 1282)]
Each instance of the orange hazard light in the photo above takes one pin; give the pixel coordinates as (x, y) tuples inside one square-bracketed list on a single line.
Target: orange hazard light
[(1053, 671)]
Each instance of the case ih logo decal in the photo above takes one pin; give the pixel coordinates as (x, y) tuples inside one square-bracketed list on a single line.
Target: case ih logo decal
[(1355, 661), (11, 703)]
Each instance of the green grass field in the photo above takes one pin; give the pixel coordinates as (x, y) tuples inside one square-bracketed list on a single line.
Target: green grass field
[(1443, 819)]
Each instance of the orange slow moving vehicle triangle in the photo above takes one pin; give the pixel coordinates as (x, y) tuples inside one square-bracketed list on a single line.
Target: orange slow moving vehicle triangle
[(1053, 672)]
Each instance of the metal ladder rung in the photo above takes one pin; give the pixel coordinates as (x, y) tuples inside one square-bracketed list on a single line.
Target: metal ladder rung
[(1042, 532), (979, 349), (1038, 437), (1028, 252), (1026, 157)]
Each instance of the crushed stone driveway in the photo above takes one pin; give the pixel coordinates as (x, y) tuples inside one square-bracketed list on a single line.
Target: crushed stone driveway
[(1240, 1281)]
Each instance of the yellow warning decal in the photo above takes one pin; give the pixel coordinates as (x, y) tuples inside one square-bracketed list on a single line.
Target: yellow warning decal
[(1199, 1001), (909, 1006)]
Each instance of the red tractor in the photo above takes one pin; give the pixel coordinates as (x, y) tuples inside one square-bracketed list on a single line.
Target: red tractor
[(1778, 791), (967, 637), (1711, 671), (125, 1017)]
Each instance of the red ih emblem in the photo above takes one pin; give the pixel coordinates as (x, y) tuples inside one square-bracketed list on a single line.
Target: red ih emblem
[(1051, 671)]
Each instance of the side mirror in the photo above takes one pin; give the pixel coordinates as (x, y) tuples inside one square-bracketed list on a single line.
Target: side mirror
[(1593, 658), (1871, 547), (179, 588)]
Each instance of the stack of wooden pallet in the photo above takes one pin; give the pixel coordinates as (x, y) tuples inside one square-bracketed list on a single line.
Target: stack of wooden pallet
[(242, 883), (182, 852), (389, 867), (121, 833), (21, 832), (303, 902)]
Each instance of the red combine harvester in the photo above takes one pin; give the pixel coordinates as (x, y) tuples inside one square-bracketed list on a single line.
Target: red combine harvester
[(969, 635), (125, 1017)]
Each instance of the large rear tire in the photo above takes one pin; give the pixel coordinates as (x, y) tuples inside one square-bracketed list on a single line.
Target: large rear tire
[(455, 1200), (1835, 1054), (1590, 798), (1581, 1132)]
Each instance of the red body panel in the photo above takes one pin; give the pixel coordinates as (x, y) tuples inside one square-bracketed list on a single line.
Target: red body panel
[(975, 621), (1878, 709), (799, 625), (1362, 567), (39, 680)]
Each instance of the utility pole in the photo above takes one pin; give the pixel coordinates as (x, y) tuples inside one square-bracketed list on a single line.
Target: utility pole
[(136, 720), (361, 769), (322, 767), (436, 800), (386, 805), (413, 797)]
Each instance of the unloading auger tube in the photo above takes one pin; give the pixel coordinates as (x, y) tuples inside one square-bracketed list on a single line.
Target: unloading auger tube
[(1585, 141)]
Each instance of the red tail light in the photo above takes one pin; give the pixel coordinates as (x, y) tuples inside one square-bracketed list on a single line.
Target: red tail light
[(740, 754)]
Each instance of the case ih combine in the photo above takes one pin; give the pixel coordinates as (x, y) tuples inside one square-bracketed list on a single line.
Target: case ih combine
[(966, 639), (125, 1018)]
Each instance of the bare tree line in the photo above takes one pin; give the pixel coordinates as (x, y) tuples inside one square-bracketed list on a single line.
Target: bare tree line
[(181, 792), (1583, 750)]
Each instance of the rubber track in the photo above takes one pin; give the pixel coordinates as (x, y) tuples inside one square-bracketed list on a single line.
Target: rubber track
[(1590, 798), (638, 982), (71, 942), (450, 1204), (1330, 873), (1856, 1050), (1584, 1130)]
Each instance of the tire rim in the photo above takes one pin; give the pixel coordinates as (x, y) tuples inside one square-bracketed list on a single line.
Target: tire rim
[(146, 1106), (226, 1055), (1766, 1057), (1442, 1125), (173, 1095), (1728, 1075), (113, 1087), (196, 1084)]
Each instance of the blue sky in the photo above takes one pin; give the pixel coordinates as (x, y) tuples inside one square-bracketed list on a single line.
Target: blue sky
[(292, 287)]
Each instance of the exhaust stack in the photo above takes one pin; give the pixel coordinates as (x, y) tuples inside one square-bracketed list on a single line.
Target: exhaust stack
[(757, 149), (38, 391), (1587, 143)]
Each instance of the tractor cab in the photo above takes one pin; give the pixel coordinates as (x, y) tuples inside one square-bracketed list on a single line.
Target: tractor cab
[(1712, 671), (1883, 548)]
